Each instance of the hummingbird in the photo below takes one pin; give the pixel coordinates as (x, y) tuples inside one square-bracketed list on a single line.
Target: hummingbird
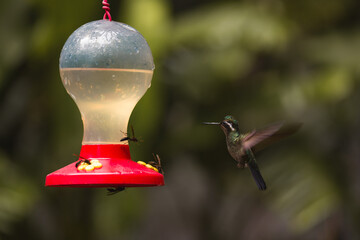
[(242, 146)]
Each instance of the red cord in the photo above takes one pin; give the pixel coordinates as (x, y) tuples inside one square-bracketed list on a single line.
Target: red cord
[(106, 7)]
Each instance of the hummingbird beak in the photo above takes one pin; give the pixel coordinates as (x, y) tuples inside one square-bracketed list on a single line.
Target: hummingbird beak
[(212, 123)]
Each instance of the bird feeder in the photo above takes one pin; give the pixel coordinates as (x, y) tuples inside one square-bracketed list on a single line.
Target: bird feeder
[(106, 67)]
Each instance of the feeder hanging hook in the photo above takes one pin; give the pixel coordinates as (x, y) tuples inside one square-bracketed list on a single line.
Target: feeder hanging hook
[(106, 7)]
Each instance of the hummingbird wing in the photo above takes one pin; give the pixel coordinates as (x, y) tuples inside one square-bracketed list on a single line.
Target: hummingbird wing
[(285, 131), (255, 137)]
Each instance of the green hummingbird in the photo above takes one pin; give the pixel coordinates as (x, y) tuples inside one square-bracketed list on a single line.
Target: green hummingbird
[(242, 146)]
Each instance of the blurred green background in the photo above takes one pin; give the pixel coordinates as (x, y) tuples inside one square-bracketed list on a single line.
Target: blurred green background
[(260, 60)]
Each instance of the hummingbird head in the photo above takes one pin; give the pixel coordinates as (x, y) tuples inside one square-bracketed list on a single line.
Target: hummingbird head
[(229, 124)]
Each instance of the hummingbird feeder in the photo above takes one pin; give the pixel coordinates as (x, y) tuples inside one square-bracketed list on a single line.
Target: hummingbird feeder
[(106, 67)]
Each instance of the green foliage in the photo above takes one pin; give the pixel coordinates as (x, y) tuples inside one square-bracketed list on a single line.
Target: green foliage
[(261, 61), (18, 195)]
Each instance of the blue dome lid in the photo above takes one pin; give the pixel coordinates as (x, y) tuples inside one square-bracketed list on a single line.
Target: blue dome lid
[(106, 44)]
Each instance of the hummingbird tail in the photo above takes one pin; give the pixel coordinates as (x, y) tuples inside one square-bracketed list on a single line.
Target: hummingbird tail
[(257, 175)]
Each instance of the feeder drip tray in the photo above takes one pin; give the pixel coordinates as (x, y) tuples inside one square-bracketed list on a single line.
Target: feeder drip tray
[(116, 170)]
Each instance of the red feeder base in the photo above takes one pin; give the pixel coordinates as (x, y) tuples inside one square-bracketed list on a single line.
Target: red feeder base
[(118, 170)]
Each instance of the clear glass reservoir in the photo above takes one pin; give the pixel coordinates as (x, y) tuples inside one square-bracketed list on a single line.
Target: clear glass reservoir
[(106, 67)]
